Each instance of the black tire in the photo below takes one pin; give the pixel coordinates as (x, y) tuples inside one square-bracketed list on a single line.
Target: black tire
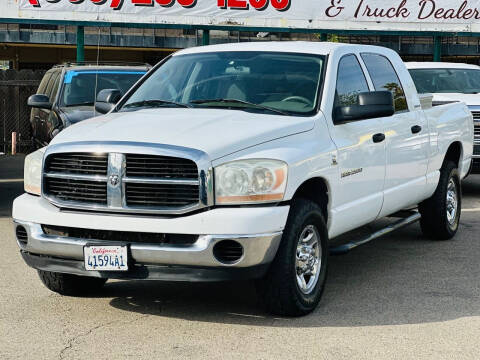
[(435, 222), (72, 285), (279, 290)]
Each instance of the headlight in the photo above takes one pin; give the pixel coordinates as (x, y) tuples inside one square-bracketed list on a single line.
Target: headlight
[(250, 181), (33, 172)]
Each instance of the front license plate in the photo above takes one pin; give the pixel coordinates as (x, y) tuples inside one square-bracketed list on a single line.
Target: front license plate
[(106, 258)]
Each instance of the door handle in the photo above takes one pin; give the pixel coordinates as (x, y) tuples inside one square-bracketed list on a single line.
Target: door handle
[(377, 138), (416, 129)]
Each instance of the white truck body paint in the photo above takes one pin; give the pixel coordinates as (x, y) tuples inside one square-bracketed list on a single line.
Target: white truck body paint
[(397, 173)]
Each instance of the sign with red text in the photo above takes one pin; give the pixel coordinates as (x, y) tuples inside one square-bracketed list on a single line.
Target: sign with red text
[(410, 15)]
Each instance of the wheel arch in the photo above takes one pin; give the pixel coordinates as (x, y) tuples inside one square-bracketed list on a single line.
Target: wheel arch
[(316, 189), (454, 153)]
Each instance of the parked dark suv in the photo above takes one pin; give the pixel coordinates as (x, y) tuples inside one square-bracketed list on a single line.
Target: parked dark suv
[(67, 93)]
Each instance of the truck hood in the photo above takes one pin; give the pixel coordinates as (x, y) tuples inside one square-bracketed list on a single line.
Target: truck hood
[(74, 114), (469, 99), (217, 132)]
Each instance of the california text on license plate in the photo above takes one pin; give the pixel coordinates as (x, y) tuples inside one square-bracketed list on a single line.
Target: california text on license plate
[(106, 258)]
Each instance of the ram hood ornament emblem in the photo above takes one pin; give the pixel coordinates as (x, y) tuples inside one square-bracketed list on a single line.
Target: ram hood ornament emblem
[(113, 180)]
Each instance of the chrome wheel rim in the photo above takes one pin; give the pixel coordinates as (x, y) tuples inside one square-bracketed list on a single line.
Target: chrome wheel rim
[(452, 202), (308, 259)]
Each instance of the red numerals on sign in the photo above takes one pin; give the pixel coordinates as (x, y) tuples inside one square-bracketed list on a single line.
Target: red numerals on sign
[(165, 3), (142, 2), (187, 3), (280, 5), (116, 4), (259, 4)]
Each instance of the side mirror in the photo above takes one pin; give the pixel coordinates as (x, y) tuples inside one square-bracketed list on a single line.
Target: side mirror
[(39, 101), (106, 100), (370, 105)]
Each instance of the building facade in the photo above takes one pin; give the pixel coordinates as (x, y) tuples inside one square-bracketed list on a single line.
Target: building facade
[(39, 46)]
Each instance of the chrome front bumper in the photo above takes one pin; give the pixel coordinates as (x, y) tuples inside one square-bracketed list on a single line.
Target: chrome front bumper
[(65, 254)]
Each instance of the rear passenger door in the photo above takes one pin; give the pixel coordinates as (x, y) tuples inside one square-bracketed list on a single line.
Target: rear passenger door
[(361, 161), (407, 139)]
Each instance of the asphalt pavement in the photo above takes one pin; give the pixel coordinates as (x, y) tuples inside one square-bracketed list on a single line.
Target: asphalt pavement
[(398, 297)]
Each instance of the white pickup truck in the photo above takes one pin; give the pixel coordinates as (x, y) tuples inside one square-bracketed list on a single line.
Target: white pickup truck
[(449, 82), (242, 161)]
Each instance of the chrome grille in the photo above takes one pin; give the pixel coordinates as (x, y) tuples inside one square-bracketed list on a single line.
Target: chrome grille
[(160, 167), (75, 163), (476, 132), (476, 115), (83, 191), (125, 182), (161, 194)]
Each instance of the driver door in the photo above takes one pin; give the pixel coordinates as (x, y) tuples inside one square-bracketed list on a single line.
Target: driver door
[(361, 160)]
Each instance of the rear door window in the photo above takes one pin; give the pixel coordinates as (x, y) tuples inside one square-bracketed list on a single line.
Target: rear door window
[(56, 84), (51, 86), (350, 81), (43, 84), (384, 77)]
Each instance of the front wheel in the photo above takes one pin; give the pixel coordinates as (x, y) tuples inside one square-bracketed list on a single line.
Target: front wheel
[(441, 213), (296, 279), (73, 285)]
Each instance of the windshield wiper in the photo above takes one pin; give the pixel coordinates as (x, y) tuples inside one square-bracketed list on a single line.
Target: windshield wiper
[(155, 103), (236, 101)]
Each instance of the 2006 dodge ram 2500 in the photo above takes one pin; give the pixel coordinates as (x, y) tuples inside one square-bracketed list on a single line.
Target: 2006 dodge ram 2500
[(242, 161)]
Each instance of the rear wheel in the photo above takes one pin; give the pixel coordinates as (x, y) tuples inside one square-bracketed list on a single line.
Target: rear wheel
[(73, 285), (295, 281), (441, 213)]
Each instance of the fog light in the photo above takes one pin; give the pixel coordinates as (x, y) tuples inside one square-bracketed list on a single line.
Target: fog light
[(228, 251), (21, 234)]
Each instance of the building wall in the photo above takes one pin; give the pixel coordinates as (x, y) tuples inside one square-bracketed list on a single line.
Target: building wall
[(41, 46)]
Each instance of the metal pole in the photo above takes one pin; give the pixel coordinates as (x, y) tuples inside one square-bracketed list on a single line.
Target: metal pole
[(437, 48), (205, 37), (14, 143), (80, 44)]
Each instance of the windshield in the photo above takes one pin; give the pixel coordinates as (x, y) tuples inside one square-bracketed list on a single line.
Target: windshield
[(79, 86), (276, 83), (466, 81)]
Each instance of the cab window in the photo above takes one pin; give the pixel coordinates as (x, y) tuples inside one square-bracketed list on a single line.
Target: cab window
[(384, 77), (50, 86), (350, 81), (44, 83)]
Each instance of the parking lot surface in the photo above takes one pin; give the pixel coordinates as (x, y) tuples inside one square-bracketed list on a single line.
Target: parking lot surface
[(398, 297)]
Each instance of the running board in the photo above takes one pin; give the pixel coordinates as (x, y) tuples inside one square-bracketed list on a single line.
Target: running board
[(344, 248)]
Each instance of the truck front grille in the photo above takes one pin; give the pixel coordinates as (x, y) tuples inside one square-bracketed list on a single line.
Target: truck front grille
[(476, 150), (77, 163), (84, 191), (161, 195), (160, 167), (476, 115), (122, 182), (476, 133)]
